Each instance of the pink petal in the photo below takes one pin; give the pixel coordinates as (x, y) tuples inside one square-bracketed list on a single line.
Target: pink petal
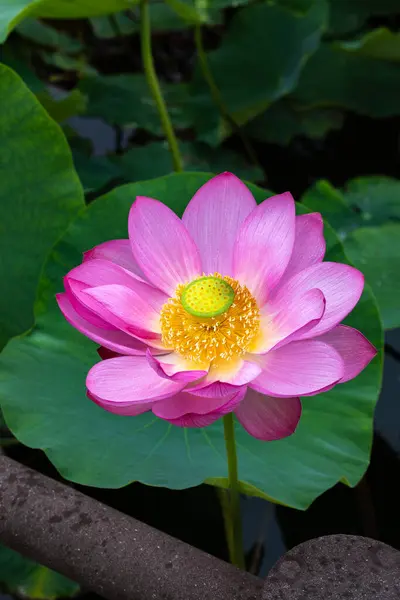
[(236, 372), (213, 217), (194, 420), (173, 367), (264, 245), (309, 244), (298, 368), (292, 314), (83, 311), (127, 411), (114, 340), (267, 418), (136, 313), (98, 271), (184, 403), (341, 285), (162, 245), (355, 350), (204, 388), (120, 383), (118, 252)]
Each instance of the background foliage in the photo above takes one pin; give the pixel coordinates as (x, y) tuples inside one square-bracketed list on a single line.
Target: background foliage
[(77, 121)]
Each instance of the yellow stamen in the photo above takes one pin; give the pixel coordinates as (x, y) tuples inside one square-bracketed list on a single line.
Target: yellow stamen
[(217, 338)]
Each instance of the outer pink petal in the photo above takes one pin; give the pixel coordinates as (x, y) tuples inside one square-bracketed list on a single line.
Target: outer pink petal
[(172, 367), (202, 420), (128, 411), (98, 271), (341, 285), (83, 311), (264, 245), (213, 217), (120, 383), (293, 314), (136, 313), (204, 388), (355, 350), (193, 420), (235, 373), (184, 403), (309, 244), (298, 368), (267, 418), (114, 340), (118, 252), (162, 245)]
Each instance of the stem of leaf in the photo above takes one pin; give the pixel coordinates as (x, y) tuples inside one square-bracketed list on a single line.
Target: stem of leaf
[(233, 521), (217, 97), (155, 89)]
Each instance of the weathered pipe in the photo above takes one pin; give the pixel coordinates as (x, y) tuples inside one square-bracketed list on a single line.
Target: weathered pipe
[(104, 550)]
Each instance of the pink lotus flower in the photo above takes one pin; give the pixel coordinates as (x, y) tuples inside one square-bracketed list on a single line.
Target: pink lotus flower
[(229, 309)]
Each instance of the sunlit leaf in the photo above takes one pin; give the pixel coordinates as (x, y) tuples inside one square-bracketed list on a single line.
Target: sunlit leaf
[(40, 193), (13, 12)]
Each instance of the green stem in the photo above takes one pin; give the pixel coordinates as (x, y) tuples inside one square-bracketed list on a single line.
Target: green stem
[(152, 81), (234, 522), (217, 97), (225, 504)]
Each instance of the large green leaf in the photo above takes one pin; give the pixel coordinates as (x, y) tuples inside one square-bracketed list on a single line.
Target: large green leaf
[(154, 160), (350, 15), (379, 43), (331, 203), (188, 11), (13, 11), (40, 193), (376, 251), (363, 76), (126, 100), (74, 103), (45, 35), (95, 172), (42, 390), (259, 60), (377, 198), (282, 122), (366, 215), (162, 16), (21, 576)]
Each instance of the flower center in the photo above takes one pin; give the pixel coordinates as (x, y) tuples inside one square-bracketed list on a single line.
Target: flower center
[(207, 297), (211, 319)]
